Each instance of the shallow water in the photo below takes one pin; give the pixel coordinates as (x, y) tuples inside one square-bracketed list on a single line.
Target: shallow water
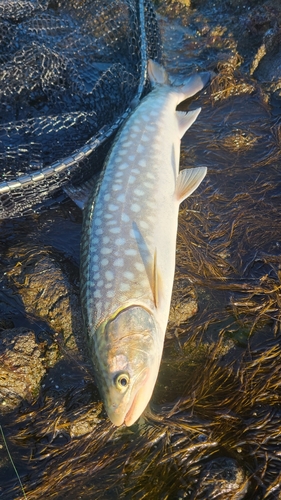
[(215, 416)]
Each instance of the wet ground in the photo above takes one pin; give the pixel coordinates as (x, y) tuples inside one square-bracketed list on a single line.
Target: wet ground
[(214, 425)]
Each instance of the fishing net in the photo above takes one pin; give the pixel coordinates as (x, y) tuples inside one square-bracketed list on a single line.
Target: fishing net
[(70, 71)]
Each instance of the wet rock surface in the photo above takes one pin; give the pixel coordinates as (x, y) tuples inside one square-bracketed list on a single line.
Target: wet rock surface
[(46, 291), (22, 367), (222, 478), (213, 429)]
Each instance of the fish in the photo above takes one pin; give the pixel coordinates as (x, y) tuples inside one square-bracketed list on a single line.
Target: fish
[(128, 245)]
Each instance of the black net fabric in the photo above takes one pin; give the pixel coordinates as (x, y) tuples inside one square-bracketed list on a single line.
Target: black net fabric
[(70, 71)]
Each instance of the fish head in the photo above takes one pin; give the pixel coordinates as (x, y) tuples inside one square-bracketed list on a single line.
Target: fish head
[(128, 362)]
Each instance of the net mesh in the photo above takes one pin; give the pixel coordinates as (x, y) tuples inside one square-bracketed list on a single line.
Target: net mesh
[(69, 72)]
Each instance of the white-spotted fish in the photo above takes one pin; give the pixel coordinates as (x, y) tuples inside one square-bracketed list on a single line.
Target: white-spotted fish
[(129, 243)]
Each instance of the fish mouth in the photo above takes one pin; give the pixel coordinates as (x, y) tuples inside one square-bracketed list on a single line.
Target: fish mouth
[(130, 418)]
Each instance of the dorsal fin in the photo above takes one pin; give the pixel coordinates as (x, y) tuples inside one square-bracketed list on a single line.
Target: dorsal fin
[(187, 181)]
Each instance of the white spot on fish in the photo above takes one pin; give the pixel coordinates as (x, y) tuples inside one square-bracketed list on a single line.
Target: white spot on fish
[(127, 144), (108, 285), (99, 283), (145, 138), (121, 196), (138, 192), (97, 221), (105, 251), (131, 157), (120, 241), (118, 174), (112, 207), (97, 294), (135, 207), (125, 217), (131, 179), (95, 258), (134, 136), (143, 224), (123, 166), (98, 232), (115, 230), (105, 240), (124, 287), (139, 266), (107, 197), (104, 262), (95, 268), (135, 171), (98, 304), (118, 262), (116, 187), (150, 175), (109, 275), (140, 148), (110, 294), (150, 128), (148, 184), (130, 251), (130, 276), (122, 152), (111, 223), (136, 128), (142, 163), (108, 216)]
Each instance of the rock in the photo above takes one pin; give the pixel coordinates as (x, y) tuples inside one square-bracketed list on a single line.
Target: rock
[(46, 292), (222, 479), (184, 304), (23, 364)]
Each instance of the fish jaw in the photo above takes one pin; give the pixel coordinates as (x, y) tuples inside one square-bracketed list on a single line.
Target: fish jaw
[(128, 363), (143, 395), (129, 411)]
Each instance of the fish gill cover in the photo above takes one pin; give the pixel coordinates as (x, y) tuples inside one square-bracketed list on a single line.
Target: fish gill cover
[(68, 72)]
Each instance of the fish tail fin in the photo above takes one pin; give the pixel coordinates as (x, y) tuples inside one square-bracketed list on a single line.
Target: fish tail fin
[(193, 85), (157, 73)]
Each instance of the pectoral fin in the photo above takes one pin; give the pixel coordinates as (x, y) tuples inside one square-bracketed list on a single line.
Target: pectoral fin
[(156, 288), (185, 120), (150, 264), (187, 181), (154, 278)]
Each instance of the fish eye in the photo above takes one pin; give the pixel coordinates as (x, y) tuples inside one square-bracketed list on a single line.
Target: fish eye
[(122, 381)]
